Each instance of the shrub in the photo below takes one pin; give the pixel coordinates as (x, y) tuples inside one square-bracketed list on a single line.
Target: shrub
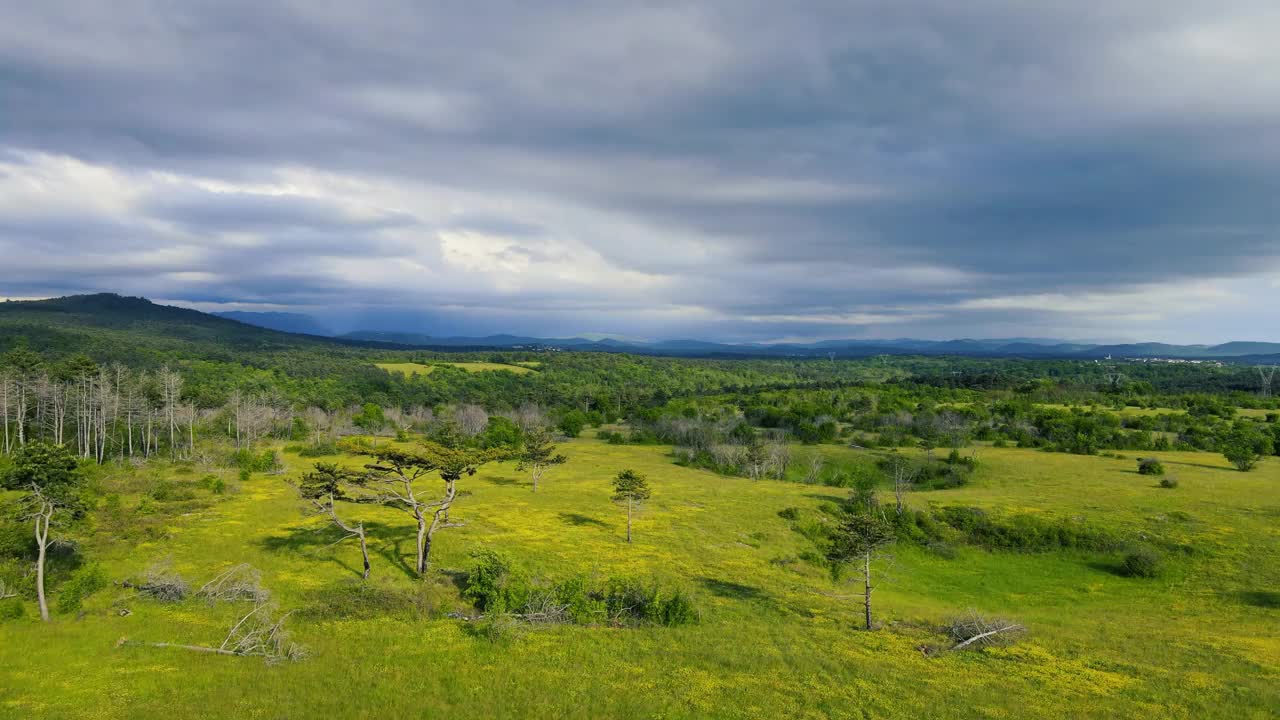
[(494, 585), (942, 549), (1018, 532), (85, 581), (16, 541), (580, 602), (790, 514), (573, 422), (1142, 562), (320, 448), (360, 600), (246, 460), (166, 491), (500, 589), (1150, 466), (11, 609), (1169, 482), (214, 484)]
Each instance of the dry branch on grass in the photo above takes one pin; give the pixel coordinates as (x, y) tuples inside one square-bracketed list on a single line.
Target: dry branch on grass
[(973, 630), (239, 582), (259, 633), (160, 583)]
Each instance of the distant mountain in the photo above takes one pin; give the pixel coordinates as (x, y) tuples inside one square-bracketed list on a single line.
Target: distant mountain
[(492, 341), (282, 321), (998, 347), (1233, 349), (113, 321)]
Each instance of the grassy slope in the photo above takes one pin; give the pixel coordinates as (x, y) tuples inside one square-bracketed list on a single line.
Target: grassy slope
[(1201, 642), (419, 369)]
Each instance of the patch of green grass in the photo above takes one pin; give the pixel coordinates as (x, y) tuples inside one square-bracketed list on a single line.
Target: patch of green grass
[(775, 637), (412, 369)]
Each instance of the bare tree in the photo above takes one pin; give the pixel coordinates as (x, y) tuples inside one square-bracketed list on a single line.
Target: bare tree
[(757, 459), (813, 469), (170, 395), (471, 419), (778, 459), (954, 427), (7, 391), (530, 417), (903, 473), (42, 509)]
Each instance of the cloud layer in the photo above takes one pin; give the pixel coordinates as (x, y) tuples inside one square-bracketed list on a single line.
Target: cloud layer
[(737, 170)]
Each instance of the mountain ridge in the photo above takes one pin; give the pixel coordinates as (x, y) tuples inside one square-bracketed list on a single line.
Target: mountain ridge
[(249, 329)]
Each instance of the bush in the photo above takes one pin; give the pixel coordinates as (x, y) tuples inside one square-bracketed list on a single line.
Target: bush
[(355, 599), (11, 609), (246, 460), (611, 437), (214, 484), (499, 588), (1142, 563), (166, 491), (630, 601), (1169, 482), (493, 585), (320, 448), (572, 423), (1028, 533), (16, 541), (85, 581), (1150, 466)]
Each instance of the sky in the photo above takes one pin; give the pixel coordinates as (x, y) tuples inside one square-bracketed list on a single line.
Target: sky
[(736, 170)]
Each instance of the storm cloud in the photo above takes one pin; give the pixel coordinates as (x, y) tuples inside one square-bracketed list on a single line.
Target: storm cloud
[(736, 170)]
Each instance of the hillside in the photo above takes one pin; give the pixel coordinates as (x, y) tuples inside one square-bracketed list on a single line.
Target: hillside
[(282, 321), (135, 330)]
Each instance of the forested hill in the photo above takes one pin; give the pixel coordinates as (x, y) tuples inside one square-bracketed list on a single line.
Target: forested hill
[(110, 326)]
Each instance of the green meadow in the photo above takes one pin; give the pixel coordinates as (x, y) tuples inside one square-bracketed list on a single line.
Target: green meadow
[(776, 637), (413, 369)]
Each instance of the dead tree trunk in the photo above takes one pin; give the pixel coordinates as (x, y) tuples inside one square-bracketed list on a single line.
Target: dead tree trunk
[(43, 518), (439, 519), (866, 587)]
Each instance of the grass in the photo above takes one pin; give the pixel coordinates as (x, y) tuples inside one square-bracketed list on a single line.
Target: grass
[(413, 369), (1200, 642), (1132, 411)]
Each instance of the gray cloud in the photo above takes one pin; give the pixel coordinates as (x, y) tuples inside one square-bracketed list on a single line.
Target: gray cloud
[(736, 169)]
